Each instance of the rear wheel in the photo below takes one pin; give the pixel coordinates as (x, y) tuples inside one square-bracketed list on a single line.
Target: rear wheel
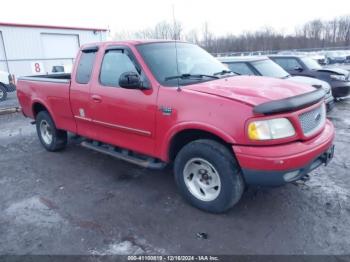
[(3, 93), (50, 137), (208, 176)]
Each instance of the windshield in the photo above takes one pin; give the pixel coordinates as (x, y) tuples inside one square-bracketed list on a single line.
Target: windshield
[(269, 68), (310, 63), (192, 60)]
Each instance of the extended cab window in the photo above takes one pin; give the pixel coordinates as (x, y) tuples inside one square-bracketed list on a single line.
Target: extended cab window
[(85, 66), (240, 68), (115, 63), (287, 63)]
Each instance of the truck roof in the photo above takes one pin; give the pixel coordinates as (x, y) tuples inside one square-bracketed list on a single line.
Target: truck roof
[(130, 42)]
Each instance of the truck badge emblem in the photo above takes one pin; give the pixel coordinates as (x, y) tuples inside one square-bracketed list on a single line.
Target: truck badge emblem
[(81, 112)]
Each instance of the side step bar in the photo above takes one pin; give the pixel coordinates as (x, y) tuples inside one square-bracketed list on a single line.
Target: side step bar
[(124, 154)]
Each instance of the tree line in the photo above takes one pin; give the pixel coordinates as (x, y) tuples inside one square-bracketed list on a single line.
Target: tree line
[(316, 33)]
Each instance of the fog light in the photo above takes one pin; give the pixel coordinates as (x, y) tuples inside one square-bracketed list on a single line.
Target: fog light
[(290, 175)]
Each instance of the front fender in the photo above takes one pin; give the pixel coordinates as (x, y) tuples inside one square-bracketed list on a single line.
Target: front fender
[(182, 126)]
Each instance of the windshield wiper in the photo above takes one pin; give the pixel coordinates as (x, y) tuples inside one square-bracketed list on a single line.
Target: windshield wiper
[(189, 76), (224, 72)]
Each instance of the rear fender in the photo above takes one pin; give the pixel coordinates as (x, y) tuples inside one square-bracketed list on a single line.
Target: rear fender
[(38, 101)]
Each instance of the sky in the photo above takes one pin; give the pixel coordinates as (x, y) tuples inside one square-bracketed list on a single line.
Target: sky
[(222, 16)]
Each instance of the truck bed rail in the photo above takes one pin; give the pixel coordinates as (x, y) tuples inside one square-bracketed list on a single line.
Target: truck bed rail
[(56, 78)]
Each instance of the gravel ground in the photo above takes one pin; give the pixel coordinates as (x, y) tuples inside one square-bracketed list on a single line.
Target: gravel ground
[(82, 202)]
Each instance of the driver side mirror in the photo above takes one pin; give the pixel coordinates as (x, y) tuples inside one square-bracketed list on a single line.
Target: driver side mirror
[(298, 68), (130, 80)]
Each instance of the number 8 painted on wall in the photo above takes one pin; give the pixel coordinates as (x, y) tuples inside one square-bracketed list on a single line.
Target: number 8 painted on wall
[(37, 67)]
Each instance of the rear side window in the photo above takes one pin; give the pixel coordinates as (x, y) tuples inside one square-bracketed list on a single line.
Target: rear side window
[(85, 66), (287, 63), (240, 68), (115, 63)]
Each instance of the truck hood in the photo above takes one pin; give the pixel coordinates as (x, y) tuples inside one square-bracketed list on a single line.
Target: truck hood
[(252, 90)]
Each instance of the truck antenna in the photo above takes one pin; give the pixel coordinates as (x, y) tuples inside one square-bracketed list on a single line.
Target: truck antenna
[(176, 56)]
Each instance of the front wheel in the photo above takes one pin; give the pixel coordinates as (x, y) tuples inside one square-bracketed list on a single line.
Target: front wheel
[(50, 137), (208, 176), (3, 93)]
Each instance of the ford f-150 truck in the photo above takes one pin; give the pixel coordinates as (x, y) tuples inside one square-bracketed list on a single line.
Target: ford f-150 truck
[(158, 102)]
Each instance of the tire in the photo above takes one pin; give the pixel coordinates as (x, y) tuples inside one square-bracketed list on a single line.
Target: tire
[(50, 137), (197, 166), (3, 93), (337, 98)]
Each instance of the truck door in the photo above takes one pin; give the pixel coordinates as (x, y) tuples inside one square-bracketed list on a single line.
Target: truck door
[(80, 91), (122, 117)]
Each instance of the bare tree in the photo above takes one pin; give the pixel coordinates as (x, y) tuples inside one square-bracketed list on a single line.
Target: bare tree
[(313, 34), (192, 36)]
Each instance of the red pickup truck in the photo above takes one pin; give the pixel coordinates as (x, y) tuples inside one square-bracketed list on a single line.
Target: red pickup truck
[(158, 102)]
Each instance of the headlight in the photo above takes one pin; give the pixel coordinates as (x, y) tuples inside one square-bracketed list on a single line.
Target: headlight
[(327, 87), (338, 77), (270, 129)]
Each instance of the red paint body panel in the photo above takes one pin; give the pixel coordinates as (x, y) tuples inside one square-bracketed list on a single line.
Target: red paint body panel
[(252, 90), (133, 119), (54, 96)]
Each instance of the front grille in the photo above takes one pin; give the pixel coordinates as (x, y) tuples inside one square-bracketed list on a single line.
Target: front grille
[(313, 120)]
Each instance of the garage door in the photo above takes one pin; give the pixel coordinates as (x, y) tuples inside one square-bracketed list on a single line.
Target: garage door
[(59, 45), (3, 65)]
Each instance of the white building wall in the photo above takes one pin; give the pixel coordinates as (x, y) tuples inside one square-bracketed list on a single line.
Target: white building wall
[(3, 65), (24, 46)]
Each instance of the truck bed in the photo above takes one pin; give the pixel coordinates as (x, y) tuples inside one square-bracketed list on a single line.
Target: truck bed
[(52, 91)]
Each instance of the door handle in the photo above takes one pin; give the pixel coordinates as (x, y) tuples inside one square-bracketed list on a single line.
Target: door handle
[(96, 98)]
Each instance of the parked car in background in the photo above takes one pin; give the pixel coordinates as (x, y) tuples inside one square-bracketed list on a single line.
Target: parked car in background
[(153, 103), (347, 57), (318, 56), (334, 57), (263, 66), (339, 79), (7, 84)]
